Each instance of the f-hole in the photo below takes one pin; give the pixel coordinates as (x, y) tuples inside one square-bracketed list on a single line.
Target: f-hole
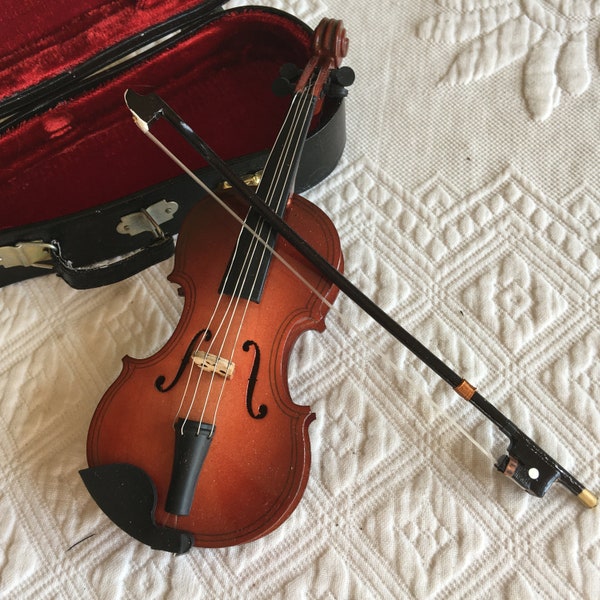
[(262, 409), (160, 380)]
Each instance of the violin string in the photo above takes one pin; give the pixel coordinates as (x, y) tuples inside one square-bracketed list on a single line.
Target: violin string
[(302, 279), (197, 348), (214, 336), (298, 108), (233, 298), (239, 284), (280, 175)]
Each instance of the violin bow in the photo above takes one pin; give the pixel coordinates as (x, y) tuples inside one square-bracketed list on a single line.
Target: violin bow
[(525, 463)]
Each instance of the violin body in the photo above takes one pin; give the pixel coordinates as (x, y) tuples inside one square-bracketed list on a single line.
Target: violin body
[(256, 467)]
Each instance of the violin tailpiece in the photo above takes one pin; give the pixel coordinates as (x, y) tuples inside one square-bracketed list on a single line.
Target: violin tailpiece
[(192, 441)]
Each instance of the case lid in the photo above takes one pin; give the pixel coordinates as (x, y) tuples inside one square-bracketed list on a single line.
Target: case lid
[(41, 40)]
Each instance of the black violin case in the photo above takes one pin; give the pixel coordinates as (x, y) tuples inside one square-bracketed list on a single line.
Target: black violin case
[(83, 193)]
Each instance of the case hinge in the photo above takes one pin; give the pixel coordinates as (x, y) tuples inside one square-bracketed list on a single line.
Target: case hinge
[(27, 254), (148, 219)]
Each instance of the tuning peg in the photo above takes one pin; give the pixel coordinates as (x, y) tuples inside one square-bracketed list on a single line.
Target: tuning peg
[(286, 82), (289, 71), (339, 80), (343, 76)]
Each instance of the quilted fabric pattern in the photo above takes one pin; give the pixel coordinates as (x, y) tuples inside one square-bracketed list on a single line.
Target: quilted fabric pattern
[(476, 224)]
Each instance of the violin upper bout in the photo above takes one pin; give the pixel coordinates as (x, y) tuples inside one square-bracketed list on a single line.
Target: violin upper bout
[(320, 232)]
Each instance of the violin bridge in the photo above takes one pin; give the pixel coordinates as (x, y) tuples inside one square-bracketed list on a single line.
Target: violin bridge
[(211, 362)]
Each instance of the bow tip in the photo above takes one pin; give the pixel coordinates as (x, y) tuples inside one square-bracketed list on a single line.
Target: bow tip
[(145, 109)]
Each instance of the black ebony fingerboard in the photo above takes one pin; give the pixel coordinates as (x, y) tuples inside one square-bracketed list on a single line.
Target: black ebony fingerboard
[(249, 265)]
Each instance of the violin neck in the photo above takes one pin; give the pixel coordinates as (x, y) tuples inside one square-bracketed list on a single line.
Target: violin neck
[(279, 173), (276, 185)]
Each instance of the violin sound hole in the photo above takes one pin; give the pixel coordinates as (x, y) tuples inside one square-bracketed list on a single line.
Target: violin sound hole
[(262, 409), (159, 383)]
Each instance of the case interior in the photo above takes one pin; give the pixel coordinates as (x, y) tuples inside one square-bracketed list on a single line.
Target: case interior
[(86, 151)]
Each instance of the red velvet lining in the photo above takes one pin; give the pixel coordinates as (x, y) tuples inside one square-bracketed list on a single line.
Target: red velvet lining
[(88, 151), (40, 39)]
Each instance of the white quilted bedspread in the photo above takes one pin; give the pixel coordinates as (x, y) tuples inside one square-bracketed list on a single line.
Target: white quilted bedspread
[(468, 204)]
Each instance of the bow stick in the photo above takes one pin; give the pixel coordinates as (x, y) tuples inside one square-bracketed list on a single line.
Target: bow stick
[(525, 462)]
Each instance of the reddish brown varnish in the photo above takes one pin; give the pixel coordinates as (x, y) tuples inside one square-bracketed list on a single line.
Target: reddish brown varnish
[(256, 470)]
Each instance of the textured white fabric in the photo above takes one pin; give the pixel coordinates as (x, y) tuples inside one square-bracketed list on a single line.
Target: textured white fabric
[(468, 204)]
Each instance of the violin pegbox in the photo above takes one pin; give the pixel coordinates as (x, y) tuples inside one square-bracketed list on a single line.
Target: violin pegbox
[(339, 80)]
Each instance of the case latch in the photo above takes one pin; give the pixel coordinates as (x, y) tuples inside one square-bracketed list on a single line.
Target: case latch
[(27, 254), (251, 179), (148, 219)]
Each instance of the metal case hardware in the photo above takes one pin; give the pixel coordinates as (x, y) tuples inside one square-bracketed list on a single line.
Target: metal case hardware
[(148, 219), (27, 254)]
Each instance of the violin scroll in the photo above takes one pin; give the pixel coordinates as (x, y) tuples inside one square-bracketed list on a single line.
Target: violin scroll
[(329, 47), (330, 42)]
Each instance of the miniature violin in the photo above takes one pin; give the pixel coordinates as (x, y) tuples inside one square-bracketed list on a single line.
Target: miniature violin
[(208, 421), (201, 443)]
